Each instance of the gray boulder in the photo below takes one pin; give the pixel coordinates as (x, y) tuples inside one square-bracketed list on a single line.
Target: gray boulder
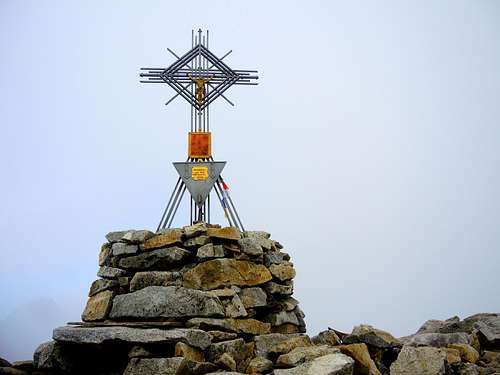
[(110, 272), (166, 302), (102, 285), (253, 297), (120, 248), (155, 278), (99, 335), (421, 361), (137, 236), (49, 356), (438, 340), (331, 364), (489, 327), (156, 366), (251, 247), (303, 354), (156, 259), (264, 343)]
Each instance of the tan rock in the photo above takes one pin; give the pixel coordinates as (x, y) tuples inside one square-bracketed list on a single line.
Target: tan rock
[(328, 337), (371, 336), (249, 326), (286, 328), (226, 361), (104, 255), (452, 355), (474, 341), (363, 364), (259, 365), (218, 336), (467, 352), (304, 354), (98, 306), (282, 272), (289, 345), (167, 238), (227, 233), (219, 273), (188, 352)]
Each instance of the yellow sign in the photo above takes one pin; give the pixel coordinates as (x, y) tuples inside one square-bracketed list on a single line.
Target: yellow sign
[(199, 173)]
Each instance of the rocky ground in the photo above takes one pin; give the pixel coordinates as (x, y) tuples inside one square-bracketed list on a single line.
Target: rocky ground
[(210, 300)]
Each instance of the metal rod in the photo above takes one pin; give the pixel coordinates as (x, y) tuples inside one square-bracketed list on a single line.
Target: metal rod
[(178, 203), (173, 204), (168, 204)]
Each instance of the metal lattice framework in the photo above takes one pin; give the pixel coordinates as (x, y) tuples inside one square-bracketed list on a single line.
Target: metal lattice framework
[(200, 77)]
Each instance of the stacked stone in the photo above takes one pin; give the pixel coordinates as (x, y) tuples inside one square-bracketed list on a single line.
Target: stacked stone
[(193, 300)]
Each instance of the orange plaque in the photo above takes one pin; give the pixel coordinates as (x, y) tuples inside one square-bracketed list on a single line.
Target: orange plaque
[(200, 145)]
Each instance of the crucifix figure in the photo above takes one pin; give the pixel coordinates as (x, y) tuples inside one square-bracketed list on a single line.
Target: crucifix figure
[(200, 87)]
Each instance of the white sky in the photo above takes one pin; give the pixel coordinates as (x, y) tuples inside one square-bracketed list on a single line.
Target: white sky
[(370, 149)]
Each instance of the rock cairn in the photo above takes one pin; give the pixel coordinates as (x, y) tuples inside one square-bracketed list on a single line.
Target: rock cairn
[(210, 300), (193, 301)]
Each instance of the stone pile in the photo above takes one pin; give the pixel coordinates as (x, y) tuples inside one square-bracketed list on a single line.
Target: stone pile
[(210, 300), (193, 300)]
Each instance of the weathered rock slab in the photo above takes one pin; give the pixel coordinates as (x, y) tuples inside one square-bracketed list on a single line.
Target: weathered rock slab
[(142, 280), (219, 273), (304, 354), (120, 248), (227, 233), (248, 326), (157, 259), (168, 238), (421, 361), (110, 272), (438, 340), (489, 327), (264, 343), (371, 336), (331, 364), (166, 302), (99, 335)]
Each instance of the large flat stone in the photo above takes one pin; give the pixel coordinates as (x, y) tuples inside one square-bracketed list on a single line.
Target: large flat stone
[(166, 302), (159, 259), (438, 340), (227, 233), (248, 326), (110, 272), (330, 364), (167, 238), (304, 354), (219, 273), (100, 335), (120, 248)]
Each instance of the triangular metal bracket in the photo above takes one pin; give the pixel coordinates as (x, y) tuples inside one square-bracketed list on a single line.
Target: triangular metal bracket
[(199, 177)]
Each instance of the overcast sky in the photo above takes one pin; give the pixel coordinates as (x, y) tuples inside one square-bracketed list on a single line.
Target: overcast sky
[(370, 150)]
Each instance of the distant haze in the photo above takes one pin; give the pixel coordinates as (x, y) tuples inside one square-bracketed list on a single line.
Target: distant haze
[(370, 150)]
